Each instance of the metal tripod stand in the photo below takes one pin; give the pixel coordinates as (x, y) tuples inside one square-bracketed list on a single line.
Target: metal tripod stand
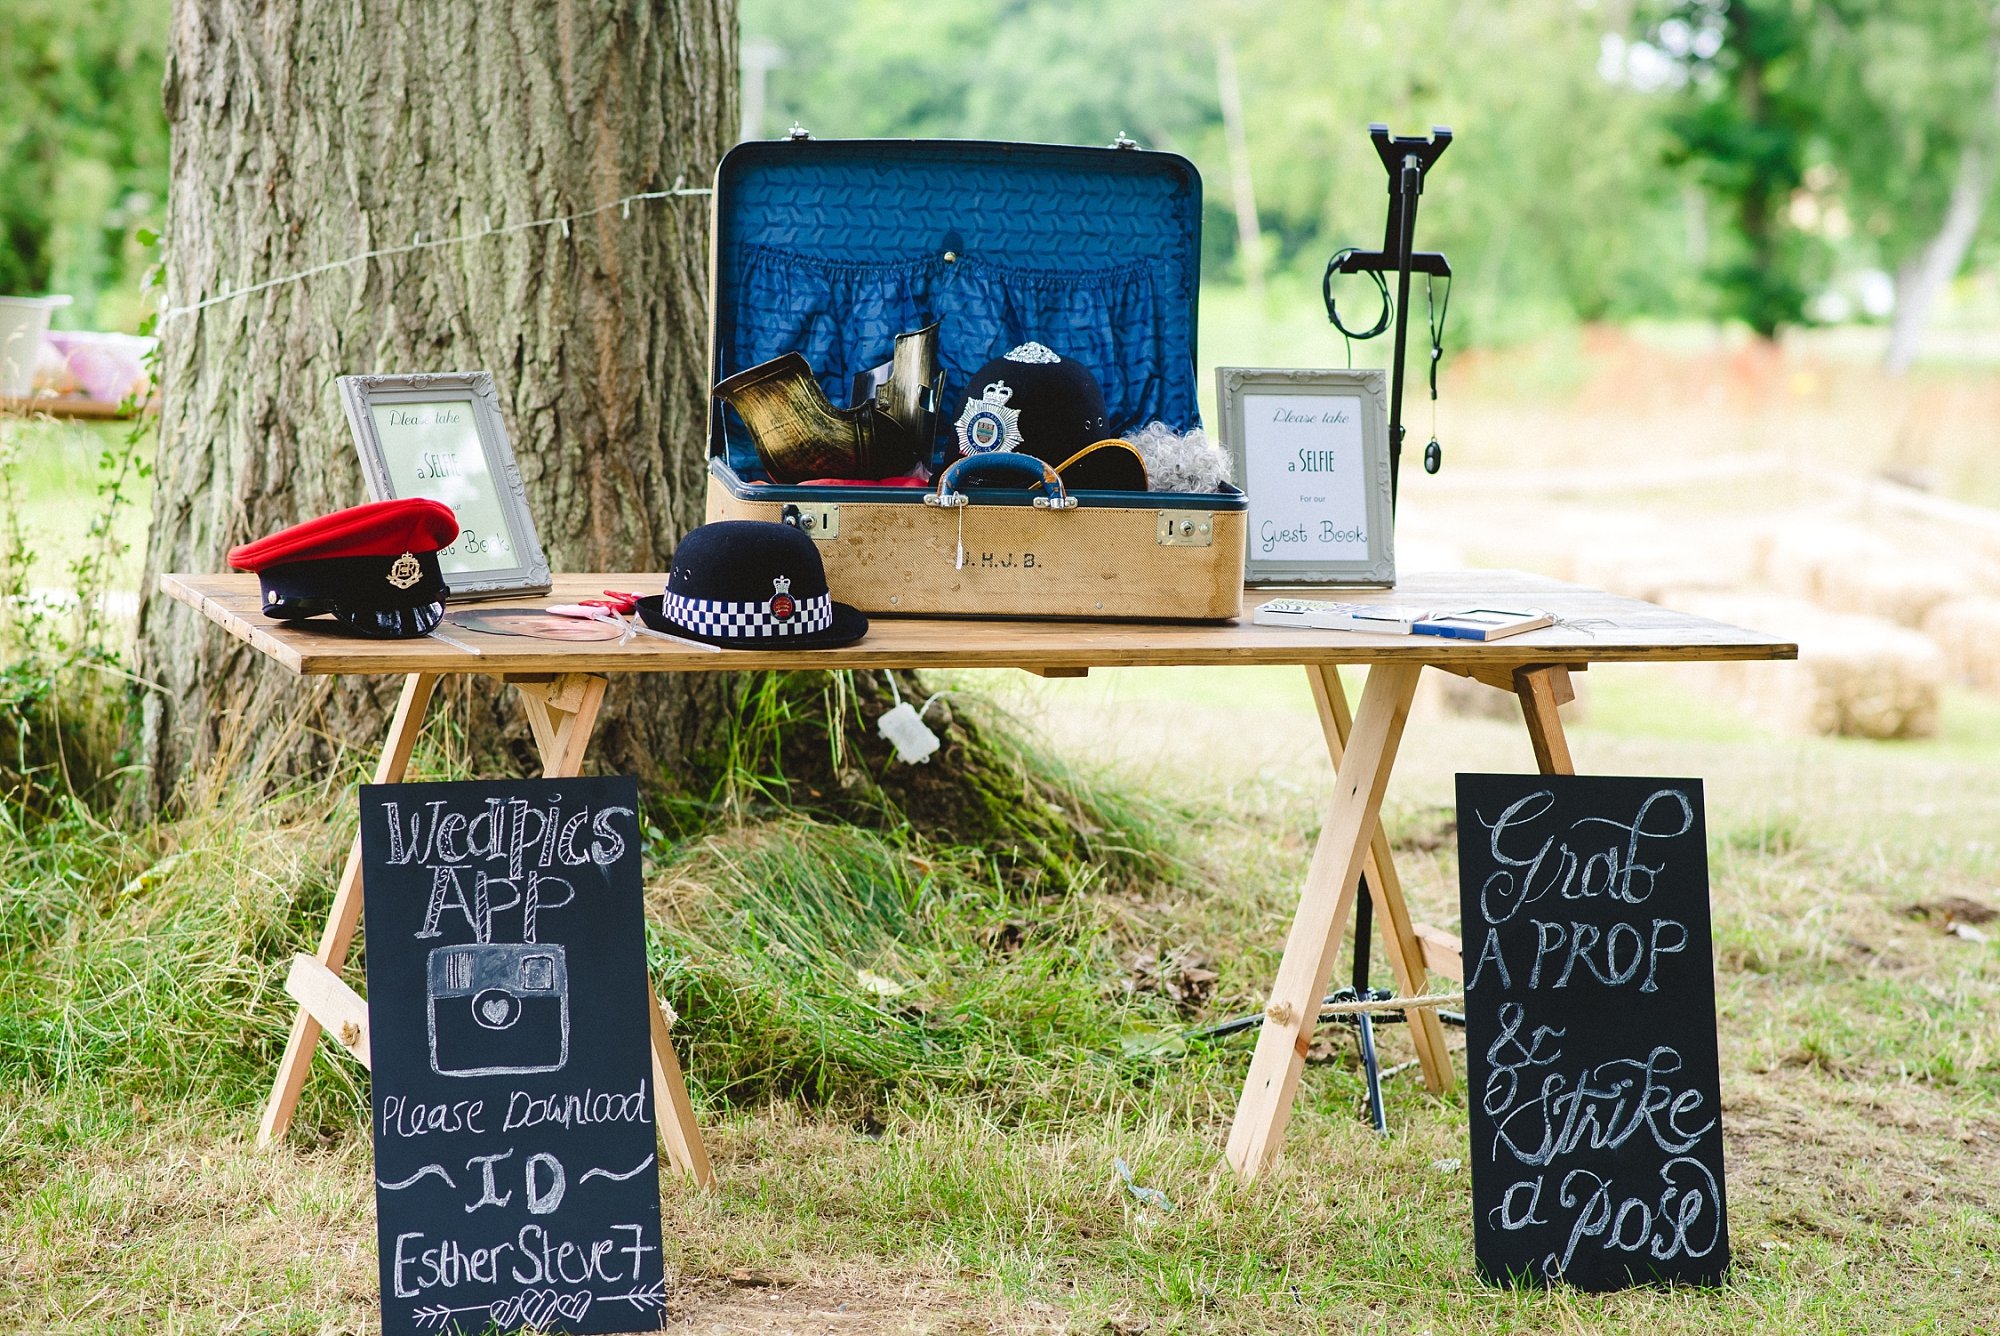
[(1407, 158)]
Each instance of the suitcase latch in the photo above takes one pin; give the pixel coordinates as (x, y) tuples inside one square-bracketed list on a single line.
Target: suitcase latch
[(1185, 528), (820, 521)]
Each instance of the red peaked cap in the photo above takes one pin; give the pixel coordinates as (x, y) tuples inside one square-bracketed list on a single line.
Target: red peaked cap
[(378, 529)]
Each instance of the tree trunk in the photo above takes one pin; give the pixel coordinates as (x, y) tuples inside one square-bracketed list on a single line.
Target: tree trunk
[(306, 133), (1919, 281)]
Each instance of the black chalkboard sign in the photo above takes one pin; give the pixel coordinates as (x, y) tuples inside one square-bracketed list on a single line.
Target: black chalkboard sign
[(1590, 1031), (516, 1181)]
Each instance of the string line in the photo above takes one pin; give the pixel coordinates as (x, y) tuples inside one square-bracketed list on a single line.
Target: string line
[(1391, 1004), (563, 221)]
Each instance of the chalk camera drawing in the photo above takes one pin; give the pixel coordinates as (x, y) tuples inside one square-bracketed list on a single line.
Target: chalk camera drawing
[(499, 1009)]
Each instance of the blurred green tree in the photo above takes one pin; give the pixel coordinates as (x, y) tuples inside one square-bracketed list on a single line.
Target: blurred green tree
[(83, 150), (1552, 201), (1912, 125), (1749, 108)]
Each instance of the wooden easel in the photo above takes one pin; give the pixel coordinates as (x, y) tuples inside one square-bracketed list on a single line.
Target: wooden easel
[(562, 711), (1351, 843)]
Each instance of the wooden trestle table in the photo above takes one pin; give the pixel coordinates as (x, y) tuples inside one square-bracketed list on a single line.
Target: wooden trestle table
[(561, 685)]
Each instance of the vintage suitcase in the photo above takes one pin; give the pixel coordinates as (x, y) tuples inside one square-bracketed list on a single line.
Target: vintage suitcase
[(832, 248)]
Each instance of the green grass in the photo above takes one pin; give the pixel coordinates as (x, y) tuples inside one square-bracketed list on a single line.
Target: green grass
[(943, 1146), (915, 1062), (58, 467)]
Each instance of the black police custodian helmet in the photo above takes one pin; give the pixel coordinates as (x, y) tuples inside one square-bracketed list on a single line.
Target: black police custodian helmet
[(373, 567), (752, 584), (1048, 406)]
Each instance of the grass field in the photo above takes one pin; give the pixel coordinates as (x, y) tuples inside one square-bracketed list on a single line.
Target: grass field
[(1860, 1048), (949, 1167)]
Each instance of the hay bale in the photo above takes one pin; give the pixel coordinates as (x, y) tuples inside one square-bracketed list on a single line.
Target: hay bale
[(1848, 568), (1798, 556), (1855, 676), (1653, 572), (1897, 588), (1967, 630), (1443, 693)]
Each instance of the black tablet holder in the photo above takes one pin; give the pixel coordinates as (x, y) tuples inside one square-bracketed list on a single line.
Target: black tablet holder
[(1407, 159)]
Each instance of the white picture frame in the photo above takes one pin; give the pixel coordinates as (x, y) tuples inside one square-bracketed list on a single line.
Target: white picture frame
[(1284, 426), (439, 435)]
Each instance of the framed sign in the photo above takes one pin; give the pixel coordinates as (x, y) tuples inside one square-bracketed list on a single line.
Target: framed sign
[(1311, 452), (440, 436)]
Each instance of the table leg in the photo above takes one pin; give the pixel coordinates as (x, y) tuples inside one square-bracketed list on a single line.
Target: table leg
[(672, 1108), (1324, 904), (1385, 890), (1542, 688), (561, 712), (345, 915)]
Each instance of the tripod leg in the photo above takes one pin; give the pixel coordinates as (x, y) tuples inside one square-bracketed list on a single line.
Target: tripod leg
[(1365, 1024)]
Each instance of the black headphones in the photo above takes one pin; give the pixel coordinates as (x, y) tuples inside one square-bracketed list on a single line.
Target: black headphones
[(1434, 316)]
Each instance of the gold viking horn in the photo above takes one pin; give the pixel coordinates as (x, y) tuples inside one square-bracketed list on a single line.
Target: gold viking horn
[(800, 435), (916, 386)]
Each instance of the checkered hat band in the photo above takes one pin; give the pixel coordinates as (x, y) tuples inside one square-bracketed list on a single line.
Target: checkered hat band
[(710, 617)]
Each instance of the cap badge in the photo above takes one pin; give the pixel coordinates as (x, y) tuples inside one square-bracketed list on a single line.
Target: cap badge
[(405, 572), (987, 424), (782, 606)]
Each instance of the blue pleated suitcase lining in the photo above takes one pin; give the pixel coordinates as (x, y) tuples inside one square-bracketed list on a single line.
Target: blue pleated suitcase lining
[(817, 259)]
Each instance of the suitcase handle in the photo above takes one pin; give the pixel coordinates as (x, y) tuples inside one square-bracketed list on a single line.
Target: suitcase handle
[(997, 464)]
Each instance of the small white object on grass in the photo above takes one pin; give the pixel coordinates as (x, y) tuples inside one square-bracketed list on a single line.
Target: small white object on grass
[(908, 733), (881, 985), (1145, 1196)]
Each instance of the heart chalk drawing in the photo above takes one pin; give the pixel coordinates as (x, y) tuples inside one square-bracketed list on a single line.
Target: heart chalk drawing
[(534, 1308), (496, 1008)]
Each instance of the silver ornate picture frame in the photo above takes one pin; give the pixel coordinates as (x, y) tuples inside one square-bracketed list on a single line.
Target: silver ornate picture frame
[(1311, 452), (439, 435)]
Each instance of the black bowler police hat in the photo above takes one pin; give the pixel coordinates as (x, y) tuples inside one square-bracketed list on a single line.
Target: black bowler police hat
[(752, 584), (373, 567), (1053, 402)]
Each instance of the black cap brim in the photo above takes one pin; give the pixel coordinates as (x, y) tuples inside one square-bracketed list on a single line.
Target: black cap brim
[(849, 625)]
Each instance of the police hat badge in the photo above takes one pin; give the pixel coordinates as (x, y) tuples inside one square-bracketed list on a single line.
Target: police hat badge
[(1056, 405), (987, 424)]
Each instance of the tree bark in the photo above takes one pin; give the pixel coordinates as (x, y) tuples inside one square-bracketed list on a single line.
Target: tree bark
[(306, 133), (1919, 281)]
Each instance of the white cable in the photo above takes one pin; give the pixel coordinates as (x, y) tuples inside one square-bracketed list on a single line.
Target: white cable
[(416, 245), (926, 709)]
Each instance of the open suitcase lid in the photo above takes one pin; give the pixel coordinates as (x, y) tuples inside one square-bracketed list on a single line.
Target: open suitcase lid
[(831, 248)]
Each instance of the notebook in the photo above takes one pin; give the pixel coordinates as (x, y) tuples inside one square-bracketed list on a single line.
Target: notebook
[(1482, 624), (1318, 615)]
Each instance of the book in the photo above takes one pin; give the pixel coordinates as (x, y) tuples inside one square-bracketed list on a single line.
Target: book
[(1482, 624), (1319, 615)]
